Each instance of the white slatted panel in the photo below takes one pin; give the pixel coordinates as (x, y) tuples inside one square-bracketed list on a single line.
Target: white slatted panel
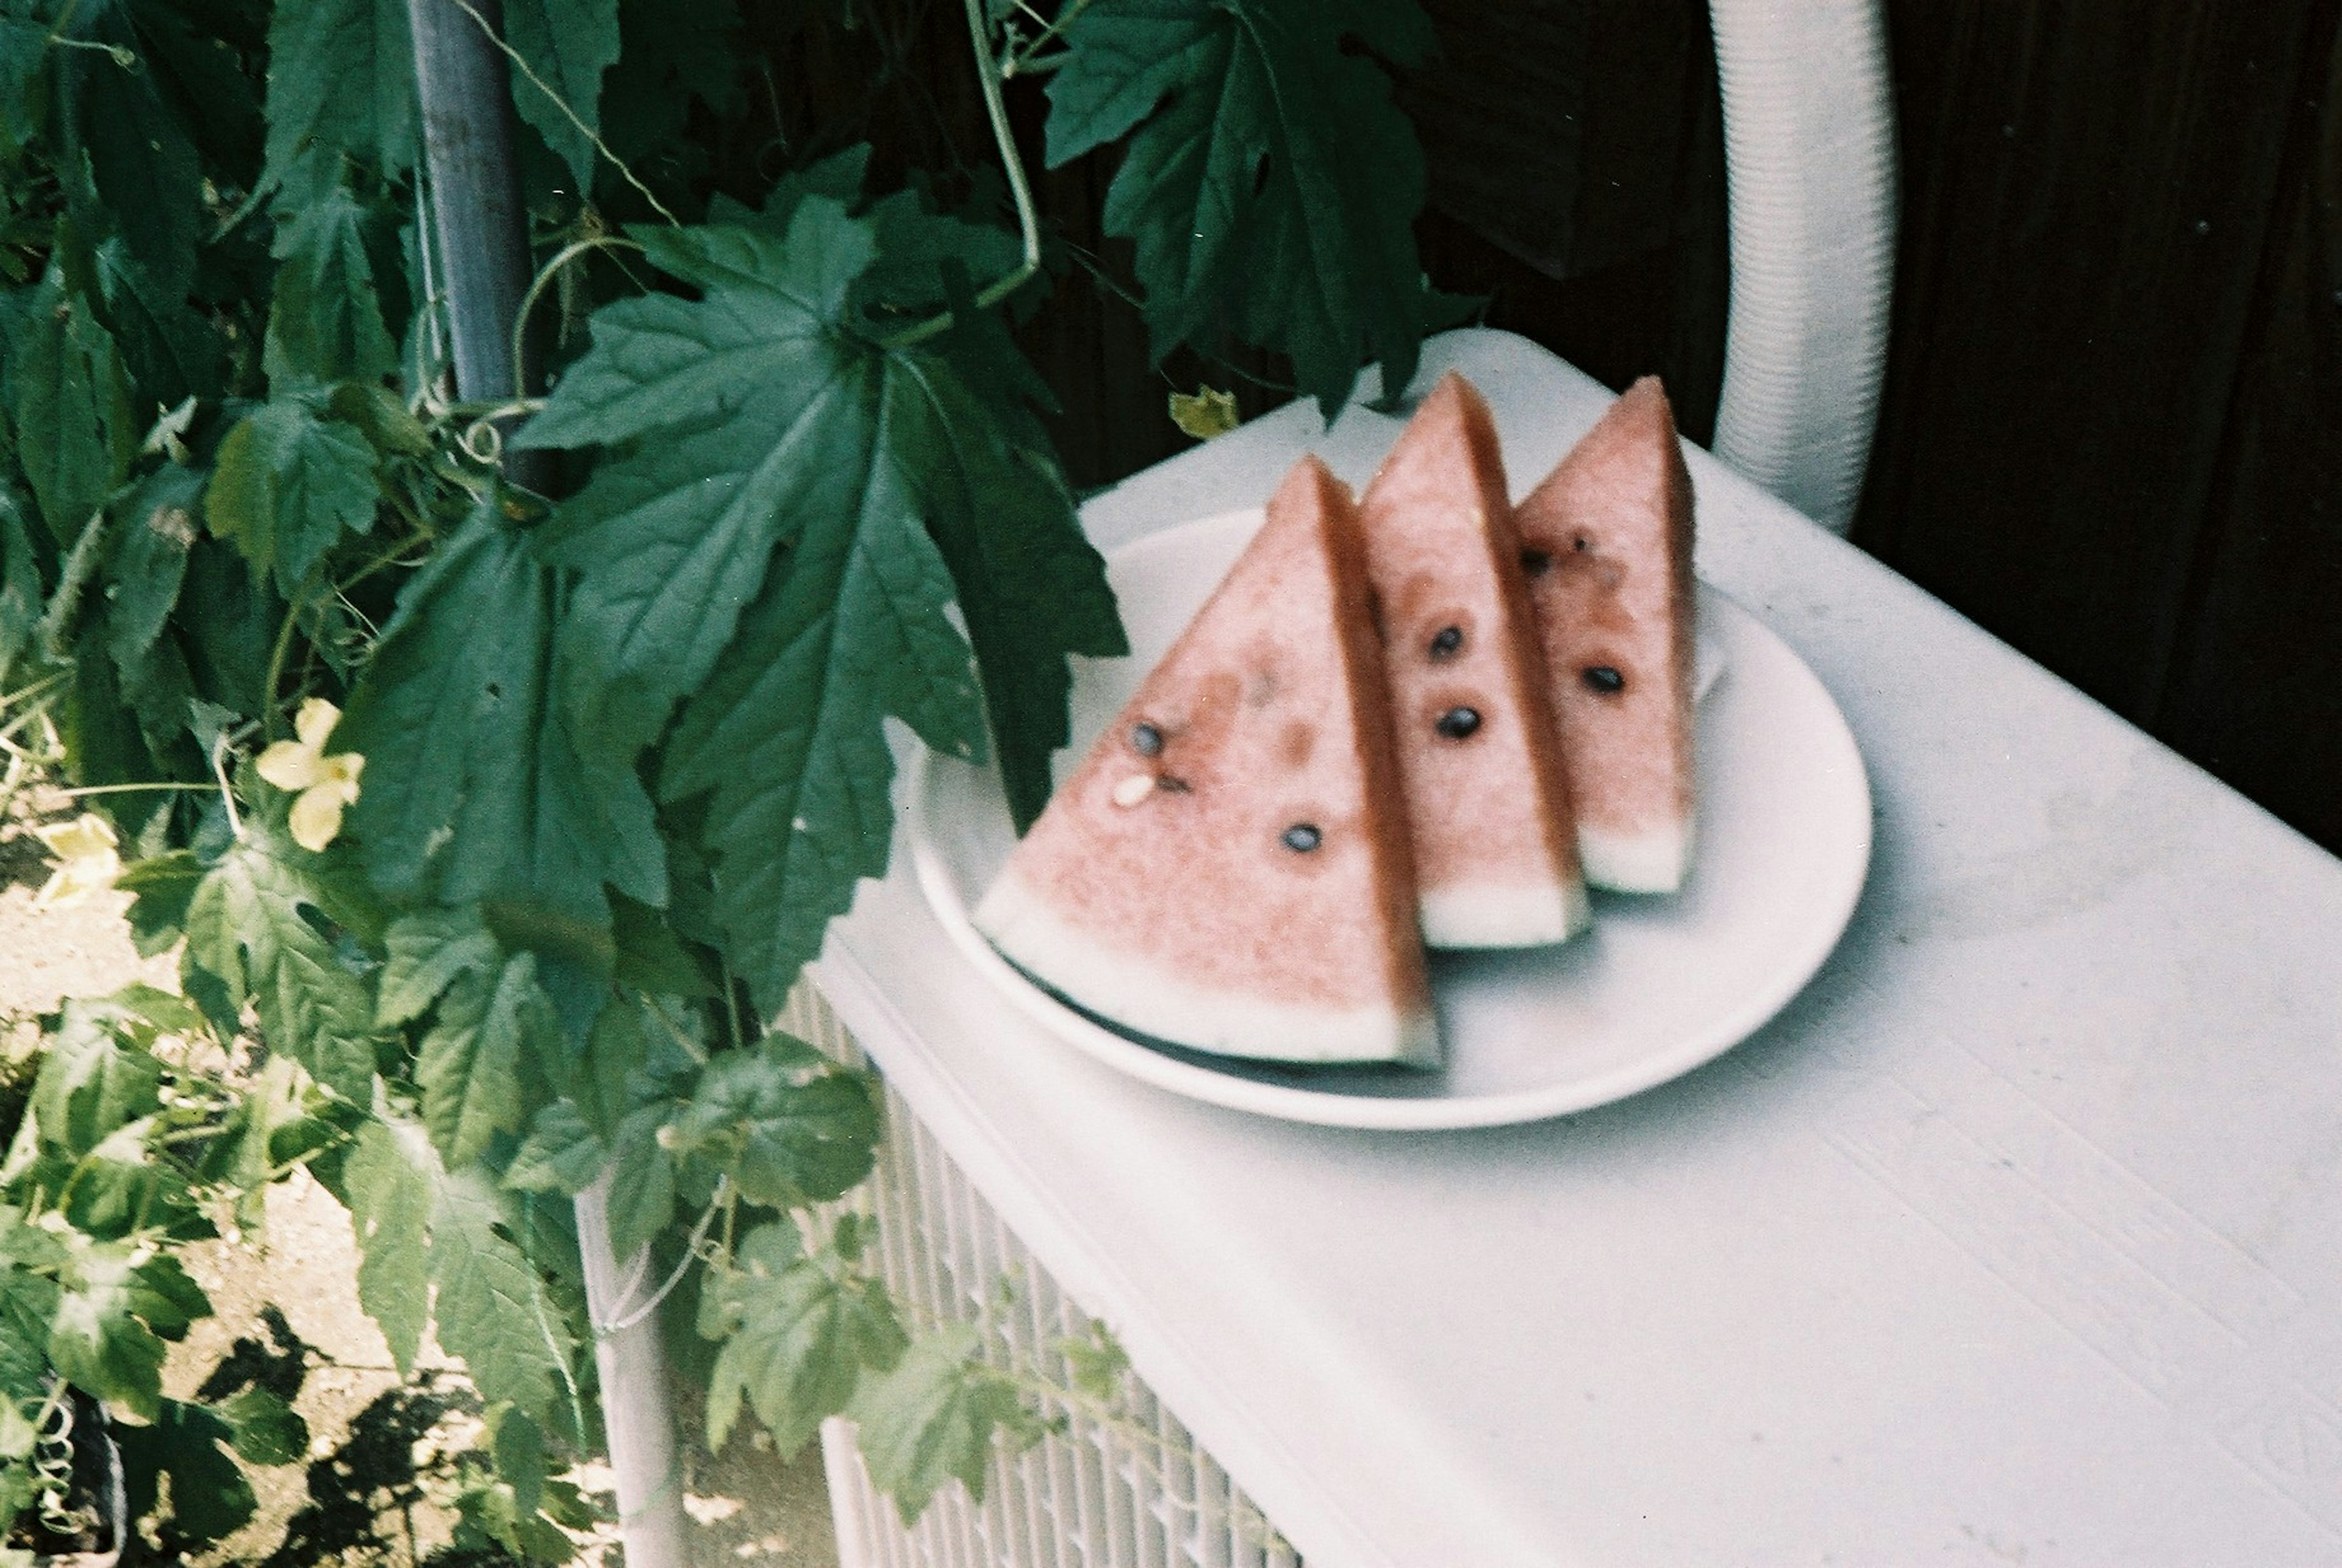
[(1134, 1494)]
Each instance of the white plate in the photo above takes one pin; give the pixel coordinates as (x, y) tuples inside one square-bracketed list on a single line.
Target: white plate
[(1661, 984)]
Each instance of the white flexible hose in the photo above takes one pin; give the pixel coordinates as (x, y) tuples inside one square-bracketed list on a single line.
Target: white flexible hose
[(1809, 155)]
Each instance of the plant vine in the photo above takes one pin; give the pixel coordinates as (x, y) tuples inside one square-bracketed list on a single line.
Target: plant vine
[(499, 823)]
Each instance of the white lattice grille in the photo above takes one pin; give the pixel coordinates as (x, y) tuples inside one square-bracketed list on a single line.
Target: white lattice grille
[(1134, 1493)]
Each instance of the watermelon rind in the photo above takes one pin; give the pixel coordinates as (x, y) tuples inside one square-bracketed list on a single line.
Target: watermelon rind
[(1142, 997), (1487, 915), (1655, 860)]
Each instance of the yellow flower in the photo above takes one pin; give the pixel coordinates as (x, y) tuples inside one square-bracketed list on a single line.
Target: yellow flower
[(86, 860), (327, 784)]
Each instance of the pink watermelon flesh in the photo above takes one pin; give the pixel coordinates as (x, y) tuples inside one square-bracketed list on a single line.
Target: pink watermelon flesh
[(1495, 853), (1607, 541), (1226, 869)]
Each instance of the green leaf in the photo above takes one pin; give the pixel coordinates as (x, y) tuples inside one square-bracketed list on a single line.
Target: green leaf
[(325, 320), (286, 488), (562, 1154), (246, 929), (76, 436), (1268, 176), (28, 1304), (469, 1065), (785, 1123), (799, 1340), (341, 75), (641, 1185), (476, 784), (172, 353), (429, 949), (149, 561), (264, 1428), (24, 84), (492, 1311), (758, 400), (148, 177), (389, 1190), (1097, 1364), (91, 1084), (933, 1418), (210, 1497), (518, 1445), (1031, 586), (113, 1314), (161, 887), (569, 44), (20, 586), (649, 956)]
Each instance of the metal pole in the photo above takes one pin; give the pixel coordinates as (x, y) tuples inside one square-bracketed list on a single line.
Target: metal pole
[(482, 242), (476, 219)]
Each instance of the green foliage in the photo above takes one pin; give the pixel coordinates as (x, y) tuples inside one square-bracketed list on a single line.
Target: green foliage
[(568, 44), (284, 486), (478, 785), (613, 744), (797, 1334), (937, 1417), (250, 932), (1269, 182)]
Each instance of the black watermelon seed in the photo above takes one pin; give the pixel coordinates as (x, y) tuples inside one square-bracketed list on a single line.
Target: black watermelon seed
[(1605, 679), (1457, 724), (1537, 563), (1448, 642), (1169, 785), (1302, 837), (1146, 740)]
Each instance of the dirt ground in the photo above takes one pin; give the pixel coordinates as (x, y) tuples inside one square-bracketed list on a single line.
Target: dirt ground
[(747, 1505)]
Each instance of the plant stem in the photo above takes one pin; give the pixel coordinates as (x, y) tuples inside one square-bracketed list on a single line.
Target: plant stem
[(124, 789), (551, 270), (1023, 63), (1029, 221)]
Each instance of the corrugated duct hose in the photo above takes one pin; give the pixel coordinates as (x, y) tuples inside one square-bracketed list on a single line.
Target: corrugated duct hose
[(1809, 153)]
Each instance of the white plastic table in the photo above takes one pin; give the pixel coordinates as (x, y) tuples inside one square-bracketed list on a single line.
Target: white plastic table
[(2016, 1238)]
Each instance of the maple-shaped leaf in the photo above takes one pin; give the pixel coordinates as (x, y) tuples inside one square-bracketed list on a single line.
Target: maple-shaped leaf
[(341, 75), (1270, 184), (936, 1417), (476, 785), (764, 543), (569, 44), (325, 318), (801, 1340), (286, 486), (246, 929), (786, 1123)]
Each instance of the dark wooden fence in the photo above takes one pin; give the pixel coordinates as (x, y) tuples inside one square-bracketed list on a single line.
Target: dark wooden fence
[(2112, 428)]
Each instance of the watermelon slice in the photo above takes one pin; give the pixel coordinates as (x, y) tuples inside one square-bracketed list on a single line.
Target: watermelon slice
[(1606, 542), (1496, 850), (1227, 869)]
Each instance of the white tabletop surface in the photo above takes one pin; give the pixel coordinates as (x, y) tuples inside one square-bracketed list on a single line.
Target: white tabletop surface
[(2016, 1238)]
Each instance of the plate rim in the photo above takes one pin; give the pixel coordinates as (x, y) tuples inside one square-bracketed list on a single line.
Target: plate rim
[(1322, 1107)]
